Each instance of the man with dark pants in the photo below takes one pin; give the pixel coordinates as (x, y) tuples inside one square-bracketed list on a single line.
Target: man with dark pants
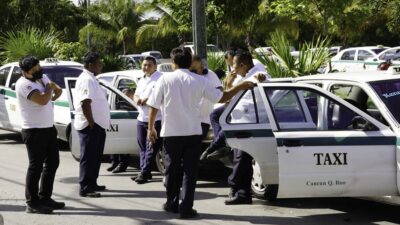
[(178, 95), (92, 118), (242, 171), (34, 95), (144, 89)]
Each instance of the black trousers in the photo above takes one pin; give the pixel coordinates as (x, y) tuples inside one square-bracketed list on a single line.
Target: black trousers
[(42, 147), (92, 147), (242, 174), (181, 163), (120, 159)]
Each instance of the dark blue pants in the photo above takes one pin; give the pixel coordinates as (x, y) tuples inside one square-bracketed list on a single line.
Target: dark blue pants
[(148, 151), (182, 156), (219, 137), (242, 174), (121, 159), (43, 155), (205, 127), (92, 147)]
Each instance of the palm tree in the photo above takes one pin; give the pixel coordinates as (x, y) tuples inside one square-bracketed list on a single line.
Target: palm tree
[(119, 17), (157, 28)]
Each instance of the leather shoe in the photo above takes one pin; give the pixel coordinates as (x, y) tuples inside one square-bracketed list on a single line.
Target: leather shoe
[(189, 214), (238, 201), (39, 209), (49, 202), (170, 209), (120, 169), (90, 194), (99, 188), (112, 167)]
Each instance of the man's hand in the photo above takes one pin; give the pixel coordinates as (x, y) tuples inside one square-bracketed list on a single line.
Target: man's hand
[(230, 78), (152, 135), (260, 77), (51, 85), (144, 101), (139, 101), (246, 85)]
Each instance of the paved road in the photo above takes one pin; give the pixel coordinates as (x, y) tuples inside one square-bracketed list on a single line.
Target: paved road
[(129, 203)]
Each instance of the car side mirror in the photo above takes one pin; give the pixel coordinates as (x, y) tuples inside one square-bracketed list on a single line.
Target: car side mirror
[(13, 86), (360, 123)]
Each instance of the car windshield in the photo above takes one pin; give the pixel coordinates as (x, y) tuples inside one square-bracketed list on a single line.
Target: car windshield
[(378, 50), (389, 92), (58, 73)]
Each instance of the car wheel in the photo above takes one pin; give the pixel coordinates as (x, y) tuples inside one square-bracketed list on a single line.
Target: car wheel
[(160, 162), (259, 189)]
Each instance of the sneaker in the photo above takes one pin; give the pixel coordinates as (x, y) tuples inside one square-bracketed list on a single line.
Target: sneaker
[(49, 202), (39, 209)]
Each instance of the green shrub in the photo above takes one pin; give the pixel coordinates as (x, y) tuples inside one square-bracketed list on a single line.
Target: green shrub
[(73, 51), (216, 61), (112, 63), (27, 41)]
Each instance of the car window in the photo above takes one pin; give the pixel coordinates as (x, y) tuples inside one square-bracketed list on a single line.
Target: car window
[(390, 54), (58, 73), (249, 109), (389, 92), (15, 75), (107, 80), (3, 75), (304, 111), (128, 87), (348, 55), (363, 55), (356, 96)]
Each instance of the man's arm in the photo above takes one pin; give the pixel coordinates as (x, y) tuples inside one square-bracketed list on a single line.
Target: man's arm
[(41, 98), (57, 92), (137, 100), (229, 80), (151, 132), (233, 91), (87, 111)]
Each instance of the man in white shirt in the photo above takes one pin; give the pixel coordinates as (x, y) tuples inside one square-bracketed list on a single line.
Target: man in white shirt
[(34, 95), (92, 118), (178, 95), (143, 90), (242, 170), (206, 106)]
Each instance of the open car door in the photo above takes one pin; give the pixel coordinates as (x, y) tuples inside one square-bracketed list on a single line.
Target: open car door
[(324, 146), (121, 135)]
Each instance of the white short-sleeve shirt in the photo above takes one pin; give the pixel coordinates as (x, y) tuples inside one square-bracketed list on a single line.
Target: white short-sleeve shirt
[(178, 95), (87, 87), (33, 115), (206, 106), (143, 90)]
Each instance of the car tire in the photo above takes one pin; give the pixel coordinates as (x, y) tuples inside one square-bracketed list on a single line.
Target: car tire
[(260, 190), (159, 160)]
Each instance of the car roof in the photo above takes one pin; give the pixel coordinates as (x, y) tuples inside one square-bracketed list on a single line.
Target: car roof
[(360, 76), (365, 48), (128, 73), (46, 63)]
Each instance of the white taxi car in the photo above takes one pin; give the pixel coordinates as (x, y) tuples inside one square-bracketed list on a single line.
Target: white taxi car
[(352, 59), (392, 54), (10, 118), (307, 141)]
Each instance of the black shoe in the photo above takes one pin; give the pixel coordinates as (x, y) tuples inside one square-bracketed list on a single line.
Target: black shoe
[(187, 215), (239, 201), (38, 208), (99, 188), (141, 179), (90, 194), (219, 153), (171, 209), (232, 193), (120, 169), (112, 167), (49, 202), (206, 153)]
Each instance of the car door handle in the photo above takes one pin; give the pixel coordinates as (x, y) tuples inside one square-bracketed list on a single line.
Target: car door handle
[(292, 143), (243, 135), (5, 98)]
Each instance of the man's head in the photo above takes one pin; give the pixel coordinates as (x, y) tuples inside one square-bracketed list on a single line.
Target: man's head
[(197, 65), (242, 62), (229, 54), (92, 62), (149, 65), (31, 68), (181, 58)]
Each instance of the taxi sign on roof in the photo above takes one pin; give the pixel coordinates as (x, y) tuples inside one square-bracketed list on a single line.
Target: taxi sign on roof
[(394, 70)]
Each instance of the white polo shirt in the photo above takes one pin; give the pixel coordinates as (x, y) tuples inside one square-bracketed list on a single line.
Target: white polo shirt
[(87, 87), (206, 106), (33, 115), (144, 88), (246, 103), (178, 95)]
